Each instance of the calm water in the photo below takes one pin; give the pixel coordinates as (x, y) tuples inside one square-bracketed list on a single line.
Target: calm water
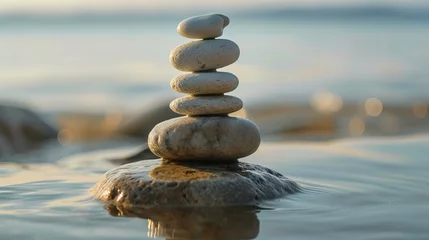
[(355, 189), (370, 188)]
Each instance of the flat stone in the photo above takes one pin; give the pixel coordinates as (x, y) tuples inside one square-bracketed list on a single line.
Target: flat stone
[(157, 183), (215, 138), (204, 83), (206, 105), (204, 55), (204, 26)]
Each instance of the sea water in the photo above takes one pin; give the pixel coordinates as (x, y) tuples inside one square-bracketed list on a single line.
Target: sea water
[(356, 189), (366, 188)]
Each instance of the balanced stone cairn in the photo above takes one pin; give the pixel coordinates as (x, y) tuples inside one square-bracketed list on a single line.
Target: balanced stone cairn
[(207, 133), (200, 151)]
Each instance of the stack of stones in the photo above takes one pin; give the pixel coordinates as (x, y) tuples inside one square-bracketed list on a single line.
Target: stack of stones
[(207, 133), (199, 151)]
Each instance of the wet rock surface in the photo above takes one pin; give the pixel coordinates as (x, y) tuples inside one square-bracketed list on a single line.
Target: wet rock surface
[(161, 183)]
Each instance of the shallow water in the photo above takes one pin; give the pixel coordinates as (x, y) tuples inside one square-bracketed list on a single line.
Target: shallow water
[(356, 189)]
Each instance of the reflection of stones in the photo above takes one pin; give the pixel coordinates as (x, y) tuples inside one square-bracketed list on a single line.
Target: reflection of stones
[(167, 183), (22, 130), (195, 223)]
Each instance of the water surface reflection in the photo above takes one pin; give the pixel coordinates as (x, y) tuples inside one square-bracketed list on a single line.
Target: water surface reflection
[(238, 222)]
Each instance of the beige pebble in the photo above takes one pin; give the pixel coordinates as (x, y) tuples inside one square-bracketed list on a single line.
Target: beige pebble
[(204, 138), (204, 26), (204, 55), (204, 83), (206, 105)]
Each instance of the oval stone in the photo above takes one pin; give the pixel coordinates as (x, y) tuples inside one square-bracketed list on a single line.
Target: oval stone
[(216, 138), (204, 83), (206, 105), (204, 55), (204, 26)]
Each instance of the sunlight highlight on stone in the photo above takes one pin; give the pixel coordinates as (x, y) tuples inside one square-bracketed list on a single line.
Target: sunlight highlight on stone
[(356, 126), (326, 102), (420, 109), (154, 229), (373, 107)]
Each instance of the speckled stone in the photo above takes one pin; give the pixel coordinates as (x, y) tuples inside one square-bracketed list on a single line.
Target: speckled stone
[(204, 55), (156, 183), (204, 26), (215, 138), (206, 105), (204, 83)]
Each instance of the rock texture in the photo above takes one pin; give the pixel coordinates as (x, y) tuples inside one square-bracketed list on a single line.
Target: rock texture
[(206, 105), (199, 152), (204, 26), (156, 183), (202, 83), (204, 55), (210, 134), (204, 138)]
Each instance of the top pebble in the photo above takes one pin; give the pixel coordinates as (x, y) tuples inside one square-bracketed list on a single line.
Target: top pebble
[(203, 27)]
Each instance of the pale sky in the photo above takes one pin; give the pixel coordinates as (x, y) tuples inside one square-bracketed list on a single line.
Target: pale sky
[(42, 6)]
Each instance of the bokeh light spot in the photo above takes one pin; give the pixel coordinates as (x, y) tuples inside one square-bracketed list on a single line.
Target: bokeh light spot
[(356, 126), (326, 102), (420, 109), (373, 107)]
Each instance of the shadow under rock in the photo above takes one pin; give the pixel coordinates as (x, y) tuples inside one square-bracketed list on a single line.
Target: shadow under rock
[(238, 222)]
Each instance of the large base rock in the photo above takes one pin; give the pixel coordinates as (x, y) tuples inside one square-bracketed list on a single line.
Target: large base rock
[(155, 183)]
